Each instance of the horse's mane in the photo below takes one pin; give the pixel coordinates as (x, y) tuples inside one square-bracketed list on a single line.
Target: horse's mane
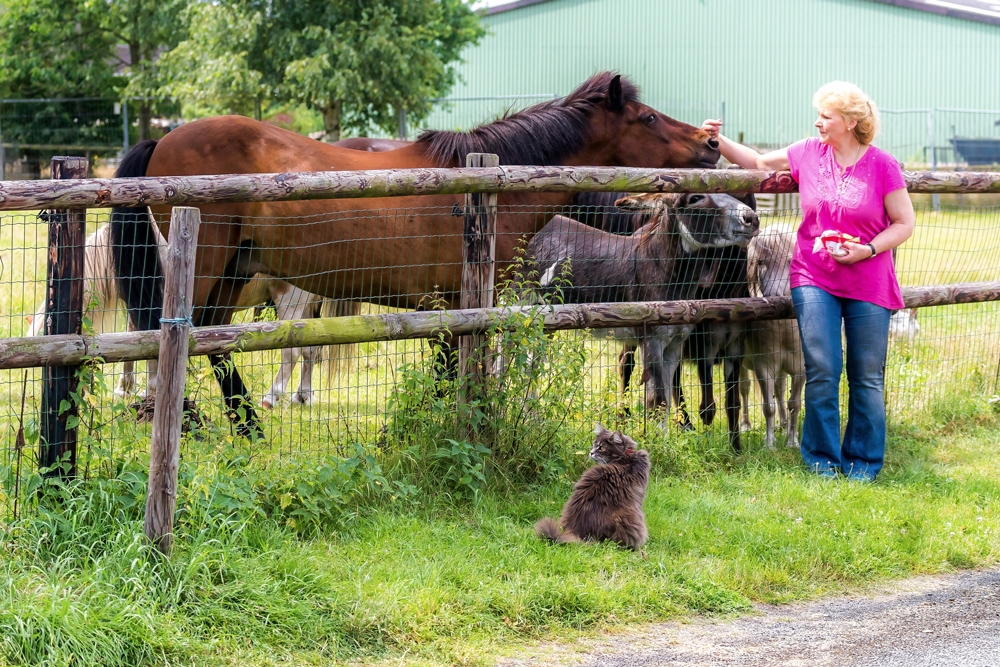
[(543, 134)]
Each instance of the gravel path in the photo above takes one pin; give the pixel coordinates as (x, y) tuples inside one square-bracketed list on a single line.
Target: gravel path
[(923, 622)]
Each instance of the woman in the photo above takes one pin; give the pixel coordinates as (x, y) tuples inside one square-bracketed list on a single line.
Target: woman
[(849, 186)]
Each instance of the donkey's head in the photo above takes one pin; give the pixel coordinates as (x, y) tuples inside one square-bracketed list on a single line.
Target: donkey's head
[(701, 220)]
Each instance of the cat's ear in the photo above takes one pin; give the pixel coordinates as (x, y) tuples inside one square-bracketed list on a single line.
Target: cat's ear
[(599, 429), (617, 438)]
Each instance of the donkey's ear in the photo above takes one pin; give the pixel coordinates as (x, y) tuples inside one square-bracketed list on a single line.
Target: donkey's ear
[(616, 96), (646, 201), (749, 199)]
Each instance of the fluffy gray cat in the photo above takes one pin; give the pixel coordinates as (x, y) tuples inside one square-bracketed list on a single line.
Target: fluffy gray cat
[(606, 503)]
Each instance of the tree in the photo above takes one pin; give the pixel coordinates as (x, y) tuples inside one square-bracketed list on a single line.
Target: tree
[(70, 48), (358, 63), (52, 49), (210, 70)]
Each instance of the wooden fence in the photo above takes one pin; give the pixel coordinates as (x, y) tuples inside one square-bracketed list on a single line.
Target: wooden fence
[(65, 348)]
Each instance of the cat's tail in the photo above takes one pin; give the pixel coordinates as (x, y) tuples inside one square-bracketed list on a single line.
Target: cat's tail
[(549, 529)]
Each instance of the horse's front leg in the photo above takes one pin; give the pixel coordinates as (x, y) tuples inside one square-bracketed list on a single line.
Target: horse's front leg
[(304, 394), (289, 357), (239, 404)]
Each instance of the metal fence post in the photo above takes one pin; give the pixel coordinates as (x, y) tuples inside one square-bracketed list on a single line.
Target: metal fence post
[(63, 315), (175, 328), (478, 275), (3, 158), (125, 140), (935, 198)]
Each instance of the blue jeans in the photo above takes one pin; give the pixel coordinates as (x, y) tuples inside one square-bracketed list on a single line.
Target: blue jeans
[(866, 328)]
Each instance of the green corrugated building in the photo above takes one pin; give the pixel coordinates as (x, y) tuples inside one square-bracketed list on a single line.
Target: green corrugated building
[(756, 63)]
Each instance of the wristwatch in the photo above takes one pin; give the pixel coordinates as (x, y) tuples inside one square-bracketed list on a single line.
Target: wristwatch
[(872, 247)]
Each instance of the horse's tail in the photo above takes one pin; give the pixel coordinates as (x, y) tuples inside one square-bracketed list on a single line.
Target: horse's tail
[(135, 249), (100, 290), (338, 357), (549, 529)]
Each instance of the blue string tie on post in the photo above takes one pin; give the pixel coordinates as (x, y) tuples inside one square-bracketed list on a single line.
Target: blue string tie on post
[(178, 321)]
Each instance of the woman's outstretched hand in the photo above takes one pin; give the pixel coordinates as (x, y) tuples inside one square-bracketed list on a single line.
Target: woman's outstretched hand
[(713, 127), (856, 252)]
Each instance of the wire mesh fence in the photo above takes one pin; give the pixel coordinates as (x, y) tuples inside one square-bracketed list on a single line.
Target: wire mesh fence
[(315, 402), (33, 130)]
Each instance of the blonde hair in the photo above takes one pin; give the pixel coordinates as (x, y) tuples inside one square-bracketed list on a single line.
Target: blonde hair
[(850, 102)]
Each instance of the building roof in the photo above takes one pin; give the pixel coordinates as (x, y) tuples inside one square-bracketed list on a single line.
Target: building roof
[(983, 11), (507, 6)]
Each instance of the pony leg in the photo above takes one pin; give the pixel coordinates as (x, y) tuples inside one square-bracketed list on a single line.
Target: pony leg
[(126, 383), (794, 406), (672, 355), (626, 366), (766, 382), (289, 357), (732, 365), (653, 375), (745, 386), (678, 394), (304, 395), (289, 304), (779, 397), (152, 371), (707, 408)]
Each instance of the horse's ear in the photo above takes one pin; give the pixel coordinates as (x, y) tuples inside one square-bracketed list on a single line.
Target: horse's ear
[(616, 96)]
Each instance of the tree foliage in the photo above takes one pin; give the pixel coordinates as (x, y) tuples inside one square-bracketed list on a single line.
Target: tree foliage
[(86, 48), (358, 63)]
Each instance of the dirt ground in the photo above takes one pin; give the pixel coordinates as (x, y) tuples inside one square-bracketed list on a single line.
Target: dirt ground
[(921, 622)]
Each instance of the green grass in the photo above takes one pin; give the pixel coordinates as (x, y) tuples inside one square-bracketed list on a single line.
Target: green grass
[(336, 542), (432, 580)]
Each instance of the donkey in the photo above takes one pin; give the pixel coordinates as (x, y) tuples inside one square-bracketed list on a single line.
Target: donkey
[(724, 276), (773, 347), (662, 261)]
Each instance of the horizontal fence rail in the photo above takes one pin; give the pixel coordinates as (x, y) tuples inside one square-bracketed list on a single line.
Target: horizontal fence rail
[(257, 336), (187, 190)]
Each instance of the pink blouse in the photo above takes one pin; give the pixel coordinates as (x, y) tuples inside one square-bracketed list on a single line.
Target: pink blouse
[(850, 201)]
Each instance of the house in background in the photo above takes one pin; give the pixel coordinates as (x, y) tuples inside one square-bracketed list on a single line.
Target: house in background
[(754, 63)]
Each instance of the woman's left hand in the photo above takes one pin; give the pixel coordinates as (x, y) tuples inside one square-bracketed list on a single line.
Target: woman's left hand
[(856, 252)]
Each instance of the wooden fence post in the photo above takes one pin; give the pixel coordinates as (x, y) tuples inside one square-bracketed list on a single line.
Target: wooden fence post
[(478, 275), (175, 328), (63, 315)]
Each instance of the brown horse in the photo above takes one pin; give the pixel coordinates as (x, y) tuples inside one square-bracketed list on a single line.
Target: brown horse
[(393, 251), (371, 144)]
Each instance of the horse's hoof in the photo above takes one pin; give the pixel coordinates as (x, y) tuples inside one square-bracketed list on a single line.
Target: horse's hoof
[(266, 404), (301, 399)]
